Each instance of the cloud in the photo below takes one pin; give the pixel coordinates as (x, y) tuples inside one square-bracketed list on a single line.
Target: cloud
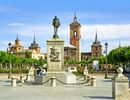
[(6, 9), (110, 33), (106, 32), (16, 24)]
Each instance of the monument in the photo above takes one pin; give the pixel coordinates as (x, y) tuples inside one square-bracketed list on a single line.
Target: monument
[(55, 50), (55, 59)]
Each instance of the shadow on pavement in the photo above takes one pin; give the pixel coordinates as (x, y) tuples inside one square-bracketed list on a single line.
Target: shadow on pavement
[(99, 97), (7, 81), (107, 80)]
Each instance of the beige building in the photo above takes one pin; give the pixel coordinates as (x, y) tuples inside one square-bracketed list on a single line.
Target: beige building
[(32, 52), (17, 47)]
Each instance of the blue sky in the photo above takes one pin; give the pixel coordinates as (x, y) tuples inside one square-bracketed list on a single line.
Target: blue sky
[(111, 18)]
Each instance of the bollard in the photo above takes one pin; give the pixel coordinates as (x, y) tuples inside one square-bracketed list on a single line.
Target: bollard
[(28, 78), (22, 79), (53, 81), (13, 82), (93, 81), (85, 77)]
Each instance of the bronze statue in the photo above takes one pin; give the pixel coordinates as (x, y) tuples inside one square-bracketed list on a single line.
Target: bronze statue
[(56, 24)]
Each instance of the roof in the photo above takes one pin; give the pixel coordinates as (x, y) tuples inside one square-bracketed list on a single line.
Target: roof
[(75, 24), (67, 45), (16, 45)]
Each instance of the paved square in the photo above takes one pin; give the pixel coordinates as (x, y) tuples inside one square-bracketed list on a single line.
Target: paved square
[(103, 91)]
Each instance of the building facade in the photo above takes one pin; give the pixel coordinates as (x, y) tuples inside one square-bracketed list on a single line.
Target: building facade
[(33, 50), (69, 52), (17, 47)]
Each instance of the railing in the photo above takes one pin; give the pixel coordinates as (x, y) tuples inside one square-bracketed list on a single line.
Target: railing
[(16, 81)]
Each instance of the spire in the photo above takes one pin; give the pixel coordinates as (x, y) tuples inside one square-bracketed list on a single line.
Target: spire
[(34, 40), (119, 44), (75, 18), (17, 37), (96, 36), (96, 39)]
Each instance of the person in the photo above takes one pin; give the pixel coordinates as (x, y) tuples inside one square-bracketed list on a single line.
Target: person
[(56, 24), (42, 72)]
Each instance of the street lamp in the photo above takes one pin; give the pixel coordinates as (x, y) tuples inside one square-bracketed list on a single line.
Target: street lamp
[(106, 72), (9, 50)]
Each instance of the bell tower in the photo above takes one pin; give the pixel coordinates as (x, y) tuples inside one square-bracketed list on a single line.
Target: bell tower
[(17, 47), (34, 45), (96, 48), (75, 37)]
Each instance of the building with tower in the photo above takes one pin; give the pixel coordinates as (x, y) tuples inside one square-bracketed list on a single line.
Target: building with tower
[(17, 47), (33, 50), (34, 46), (96, 48), (75, 37)]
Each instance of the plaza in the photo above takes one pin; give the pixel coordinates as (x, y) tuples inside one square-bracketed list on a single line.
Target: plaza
[(102, 91), (64, 50)]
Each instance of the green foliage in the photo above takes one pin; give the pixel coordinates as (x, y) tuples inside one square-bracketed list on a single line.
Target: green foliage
[(19, 64), (120, 56), (13, 70), (3, 70), (72, 62), (102, 60)]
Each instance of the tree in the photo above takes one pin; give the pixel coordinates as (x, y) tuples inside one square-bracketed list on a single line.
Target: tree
[(120, 56)]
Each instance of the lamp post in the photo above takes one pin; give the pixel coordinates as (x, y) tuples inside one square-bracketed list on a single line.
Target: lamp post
[(106, 72), (9, 50)]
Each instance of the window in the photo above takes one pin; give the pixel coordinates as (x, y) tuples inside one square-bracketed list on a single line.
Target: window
[(96, 48), (75, 33)]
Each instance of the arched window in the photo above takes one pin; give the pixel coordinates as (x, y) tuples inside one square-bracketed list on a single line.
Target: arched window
[(75, 34)]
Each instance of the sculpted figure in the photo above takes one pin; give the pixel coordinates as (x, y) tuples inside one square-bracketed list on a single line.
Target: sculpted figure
[(56, 24)]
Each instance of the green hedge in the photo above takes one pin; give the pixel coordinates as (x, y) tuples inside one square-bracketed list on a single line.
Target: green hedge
[(13, 70)]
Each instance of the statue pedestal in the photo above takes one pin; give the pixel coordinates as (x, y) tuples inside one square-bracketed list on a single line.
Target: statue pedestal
[(55, 60), (55, 64), (55, 55)]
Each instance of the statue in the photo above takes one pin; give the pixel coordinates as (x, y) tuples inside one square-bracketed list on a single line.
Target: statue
[(56, 24)]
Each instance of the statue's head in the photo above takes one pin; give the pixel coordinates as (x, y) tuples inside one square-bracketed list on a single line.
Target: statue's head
[(55, 16)]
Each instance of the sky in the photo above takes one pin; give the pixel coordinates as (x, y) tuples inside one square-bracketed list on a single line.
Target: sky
[(111, 19)]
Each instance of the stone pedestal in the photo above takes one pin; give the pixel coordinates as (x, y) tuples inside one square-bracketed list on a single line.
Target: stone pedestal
[(120, 86), (71, 78), (55, 59), (55, 55), (55, 64), (38, 79)]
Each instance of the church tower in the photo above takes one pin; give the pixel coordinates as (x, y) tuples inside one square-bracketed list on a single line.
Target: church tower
[(34, 46), (17, 47), (96, 48), (75, 37)]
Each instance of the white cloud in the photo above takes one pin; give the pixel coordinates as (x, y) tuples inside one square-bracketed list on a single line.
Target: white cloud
[(110, 33), (6, 9), (16, 24)]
